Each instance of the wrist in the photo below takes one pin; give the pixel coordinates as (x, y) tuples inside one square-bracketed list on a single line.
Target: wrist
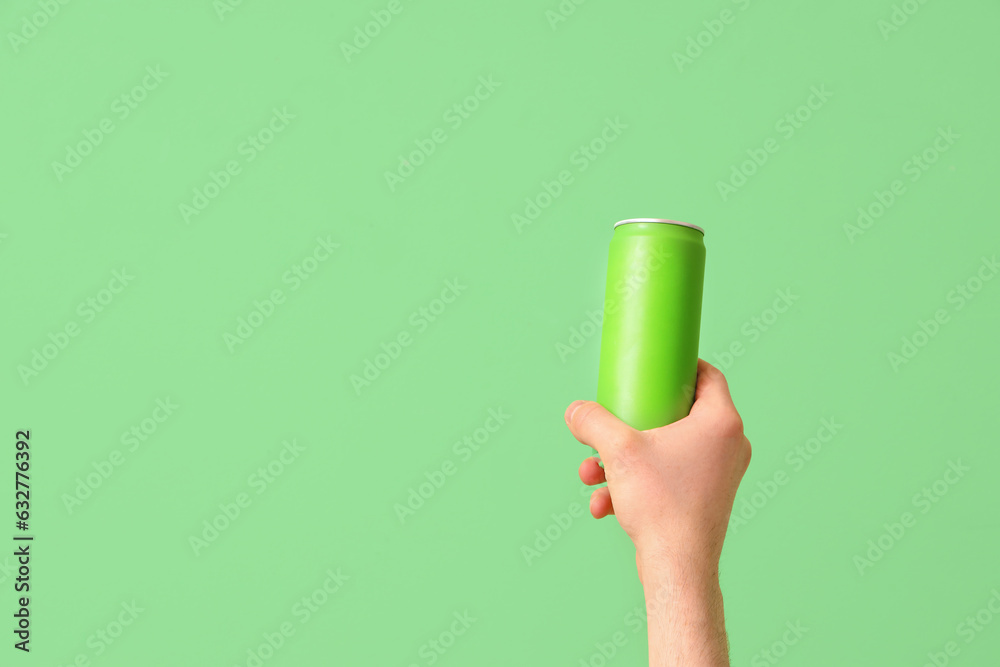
[(677, 585), (664, 563)]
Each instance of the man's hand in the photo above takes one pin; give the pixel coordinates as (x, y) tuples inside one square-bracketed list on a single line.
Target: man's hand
[(672, 490)]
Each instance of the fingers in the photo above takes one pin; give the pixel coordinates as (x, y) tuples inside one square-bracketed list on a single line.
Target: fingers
[(600, 503), (591, 472), (592, 425), (711, 391)]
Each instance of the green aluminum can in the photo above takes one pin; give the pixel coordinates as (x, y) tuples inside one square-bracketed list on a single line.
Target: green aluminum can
[(652, 320)]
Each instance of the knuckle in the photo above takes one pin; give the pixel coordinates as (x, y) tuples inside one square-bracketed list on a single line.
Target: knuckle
[(731, 424), (717, 373), (746, 452), (582, 414), (625, 447), (627, 441)]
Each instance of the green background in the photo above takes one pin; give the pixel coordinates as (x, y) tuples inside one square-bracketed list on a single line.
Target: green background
[(527, 288)]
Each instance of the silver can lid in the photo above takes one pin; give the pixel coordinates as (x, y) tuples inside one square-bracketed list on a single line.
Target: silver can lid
[(660, 220)]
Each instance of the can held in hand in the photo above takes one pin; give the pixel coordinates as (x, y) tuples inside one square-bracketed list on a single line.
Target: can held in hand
[(652, 321)]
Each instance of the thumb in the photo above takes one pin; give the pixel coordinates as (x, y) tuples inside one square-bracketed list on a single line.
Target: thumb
[(592, 425)]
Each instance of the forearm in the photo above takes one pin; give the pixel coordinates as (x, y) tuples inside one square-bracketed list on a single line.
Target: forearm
[(685, 615)]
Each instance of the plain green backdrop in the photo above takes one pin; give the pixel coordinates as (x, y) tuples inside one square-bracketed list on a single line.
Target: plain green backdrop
[(496, 223)]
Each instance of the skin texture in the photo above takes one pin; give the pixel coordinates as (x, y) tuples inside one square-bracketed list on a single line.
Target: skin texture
[(672, 490)]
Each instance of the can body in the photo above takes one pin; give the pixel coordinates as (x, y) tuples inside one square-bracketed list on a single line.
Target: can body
[(652, 321)]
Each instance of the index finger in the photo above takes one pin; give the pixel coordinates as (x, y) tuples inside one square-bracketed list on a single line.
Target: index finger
[(712, 390)]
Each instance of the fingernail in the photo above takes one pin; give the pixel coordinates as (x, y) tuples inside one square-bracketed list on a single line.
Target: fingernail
[(573, 407)]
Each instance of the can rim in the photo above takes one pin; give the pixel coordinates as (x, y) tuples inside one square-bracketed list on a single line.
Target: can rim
[(660, 220)]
